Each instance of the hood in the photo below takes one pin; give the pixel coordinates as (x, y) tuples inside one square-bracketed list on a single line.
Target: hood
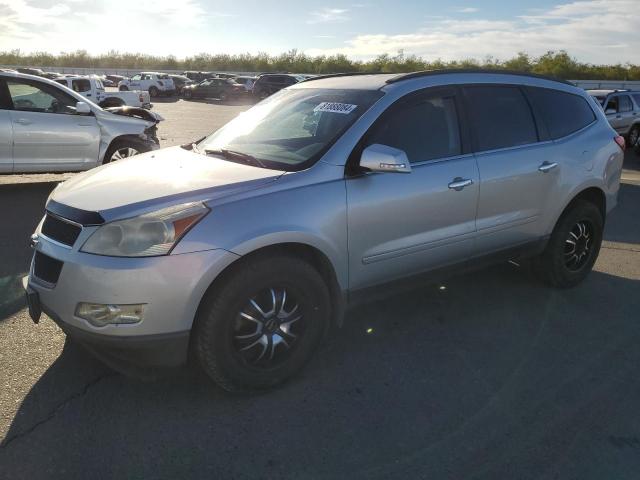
[(136, 112), (170, 175)]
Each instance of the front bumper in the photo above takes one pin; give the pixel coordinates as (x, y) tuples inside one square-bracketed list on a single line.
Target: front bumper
[(171, 288)]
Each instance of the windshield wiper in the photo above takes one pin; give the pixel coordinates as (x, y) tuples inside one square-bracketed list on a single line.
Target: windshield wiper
[(235, 155)]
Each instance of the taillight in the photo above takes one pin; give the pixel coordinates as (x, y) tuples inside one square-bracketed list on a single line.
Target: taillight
[(160, 83), (619, 139), (141, 98)]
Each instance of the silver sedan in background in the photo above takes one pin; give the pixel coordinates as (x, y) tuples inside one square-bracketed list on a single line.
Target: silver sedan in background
[(46, 127)]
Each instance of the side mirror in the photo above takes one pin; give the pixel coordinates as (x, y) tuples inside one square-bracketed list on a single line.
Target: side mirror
[(610, 111), (82, 108), (382, 158)]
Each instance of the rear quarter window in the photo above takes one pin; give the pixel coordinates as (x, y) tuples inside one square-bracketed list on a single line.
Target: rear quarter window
[(500, 117), (563, 113)]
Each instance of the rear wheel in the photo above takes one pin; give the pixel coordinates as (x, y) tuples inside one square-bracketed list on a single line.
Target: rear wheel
[(154, 92), (124, 148), (573, 247), (262, 324)]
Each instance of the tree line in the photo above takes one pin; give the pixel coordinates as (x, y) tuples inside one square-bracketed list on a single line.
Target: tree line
[(558, 64)]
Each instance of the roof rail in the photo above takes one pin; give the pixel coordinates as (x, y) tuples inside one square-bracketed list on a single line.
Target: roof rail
[(428, 73), (334, 75)]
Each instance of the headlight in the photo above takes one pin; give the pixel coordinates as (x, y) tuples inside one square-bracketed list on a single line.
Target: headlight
[(148, 235)]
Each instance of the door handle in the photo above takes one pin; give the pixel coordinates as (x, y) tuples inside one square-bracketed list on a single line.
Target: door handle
[(546, 167), (23, 121), (459, 183)]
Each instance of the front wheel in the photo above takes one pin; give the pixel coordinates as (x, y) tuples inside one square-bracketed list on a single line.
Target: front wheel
[(154, 92), (123, 88), (573, 247), (125, 148), (263, 323)]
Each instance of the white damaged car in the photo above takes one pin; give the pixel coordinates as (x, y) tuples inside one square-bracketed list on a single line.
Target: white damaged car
[(47, 127)]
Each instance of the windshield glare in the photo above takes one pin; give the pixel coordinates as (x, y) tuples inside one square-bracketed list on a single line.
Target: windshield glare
[(292, 128)]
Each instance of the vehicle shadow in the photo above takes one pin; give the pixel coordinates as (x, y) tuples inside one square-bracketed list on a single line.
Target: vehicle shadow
[(445, 379), (21, 208)]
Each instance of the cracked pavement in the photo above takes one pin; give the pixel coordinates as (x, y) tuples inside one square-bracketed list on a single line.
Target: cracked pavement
[(494, 376)]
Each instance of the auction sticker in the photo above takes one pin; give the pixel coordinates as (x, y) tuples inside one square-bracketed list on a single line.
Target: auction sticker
[(333, 107)]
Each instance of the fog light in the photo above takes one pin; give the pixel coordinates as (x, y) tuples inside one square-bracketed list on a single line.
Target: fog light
[(99, 315)]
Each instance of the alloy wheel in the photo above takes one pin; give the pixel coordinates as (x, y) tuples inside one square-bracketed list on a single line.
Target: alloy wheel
[(633, 136), (268, 328), (123, 152), (577, 247)]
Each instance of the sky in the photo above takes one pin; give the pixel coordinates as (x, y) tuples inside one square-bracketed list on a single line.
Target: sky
[(594, 31)]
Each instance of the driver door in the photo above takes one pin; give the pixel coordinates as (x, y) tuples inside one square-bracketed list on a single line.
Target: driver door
[(401, 224), (47, 133)]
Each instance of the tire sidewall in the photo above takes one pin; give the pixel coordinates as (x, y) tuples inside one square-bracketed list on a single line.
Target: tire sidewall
[(562, 276), (118, 144), (215, 323)]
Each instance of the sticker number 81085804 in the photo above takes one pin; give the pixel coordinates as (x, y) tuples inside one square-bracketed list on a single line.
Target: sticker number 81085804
[(333, 107)]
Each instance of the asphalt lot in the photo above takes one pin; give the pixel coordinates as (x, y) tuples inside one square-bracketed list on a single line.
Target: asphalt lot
[(493, 376)]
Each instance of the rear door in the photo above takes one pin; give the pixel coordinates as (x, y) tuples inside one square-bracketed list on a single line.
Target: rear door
[(403, 224), (625, 113), (47, 133), (6, 130), (516, 166), (611, 110)]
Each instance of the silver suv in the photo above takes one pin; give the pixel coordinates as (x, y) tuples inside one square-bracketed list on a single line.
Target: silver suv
[(245, 247), (622, 108)]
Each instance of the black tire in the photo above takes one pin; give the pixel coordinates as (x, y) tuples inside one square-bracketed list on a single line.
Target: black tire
[(223, 96), (224, 357), (123, 143), (154, 92), (123, 88), (188, 94), (557, 266), (633, 136)]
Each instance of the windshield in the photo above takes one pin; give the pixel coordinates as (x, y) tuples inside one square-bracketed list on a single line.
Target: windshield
[(293, 128)]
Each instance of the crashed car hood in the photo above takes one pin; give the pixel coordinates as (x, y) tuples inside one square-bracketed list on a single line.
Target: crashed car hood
[(154, 178)]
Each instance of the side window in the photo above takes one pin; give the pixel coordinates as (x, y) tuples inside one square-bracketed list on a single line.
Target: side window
[(136, 77), (624, 104), (500, 117), (61, 81), (32, 97), (636, 97), (146, 77), (81, 85), (563, 113), (425, 129), (612, 104)]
